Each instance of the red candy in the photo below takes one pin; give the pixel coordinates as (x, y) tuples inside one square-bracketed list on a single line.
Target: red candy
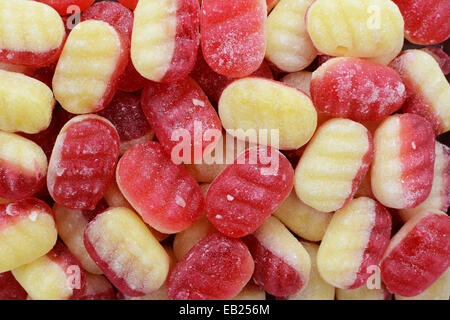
[(10, 289), (97, 288), (181, 106), (234, 35), (82, 163), (441, 57), (62, 6), (165, 195), (426, 21), (217, 267), (126, 115), (213, 83), (130, 4), (248, 191), (131, 80), (418, 254), (356, 89)]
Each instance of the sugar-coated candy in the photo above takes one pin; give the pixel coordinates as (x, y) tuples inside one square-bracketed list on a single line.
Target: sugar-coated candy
[(303, 220), (316, 288), (418, 254), (87, 73), (28, 232), (83, 161), (131, 258), (289, 47), (439, 197), (10, 289), (282, 265), (251, 292), (403, 165), (55, 276), (17, 68), (426, 22), (178, 112), (71, 224), (19, 45), (356, 89), (354, 28), (130, 4), (186, 239), (364, 293), (259, 104), (439, 290), (427, 89), (125, 113), (97, 288), (165, 38), (365, 188), (64, 6), (23, 166), (333, 164), (441, 57), (234, 35), (216, 268), (213, 83), (26, 104), (248, 191), (300, 80), (131, 80), (113, 13), (164, 194), (355, 240)]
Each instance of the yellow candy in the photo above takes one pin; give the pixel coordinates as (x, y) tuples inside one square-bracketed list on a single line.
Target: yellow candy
[(306, 222), (363, 293), (333, 163), (317, 288), (87, 66), (26, 104), (250, 105), (251, 292), (288, 44), (355, 28), (153, 38)]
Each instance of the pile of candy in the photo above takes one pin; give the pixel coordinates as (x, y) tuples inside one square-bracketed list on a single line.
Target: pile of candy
[(178, 149)]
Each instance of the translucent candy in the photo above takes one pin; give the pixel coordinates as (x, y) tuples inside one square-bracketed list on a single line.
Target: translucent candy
[(282, 265), (19, 46), (217, 267), (131, 258), (402, 169), (10, 289), (259, 104), (418, 254), (289, 47), (234, 35), (55, 276), (23, 166), (87, 73), (248, 191), (333, 164), (355, 241), (165, 38), (83, 161), (439, 290), (63, 6), (357, 89), (355, 28), (427, 89), (97, 288), (441, 58), (164, 194), (25, 104)]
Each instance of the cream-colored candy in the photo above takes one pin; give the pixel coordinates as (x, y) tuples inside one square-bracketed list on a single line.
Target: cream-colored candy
[(288, 44), (305, 221), (251, 292), (250, 105), (332, 163), (355, 28), (363, 293), (86, 66), (300, 80), (26, 104), (317, 288)]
